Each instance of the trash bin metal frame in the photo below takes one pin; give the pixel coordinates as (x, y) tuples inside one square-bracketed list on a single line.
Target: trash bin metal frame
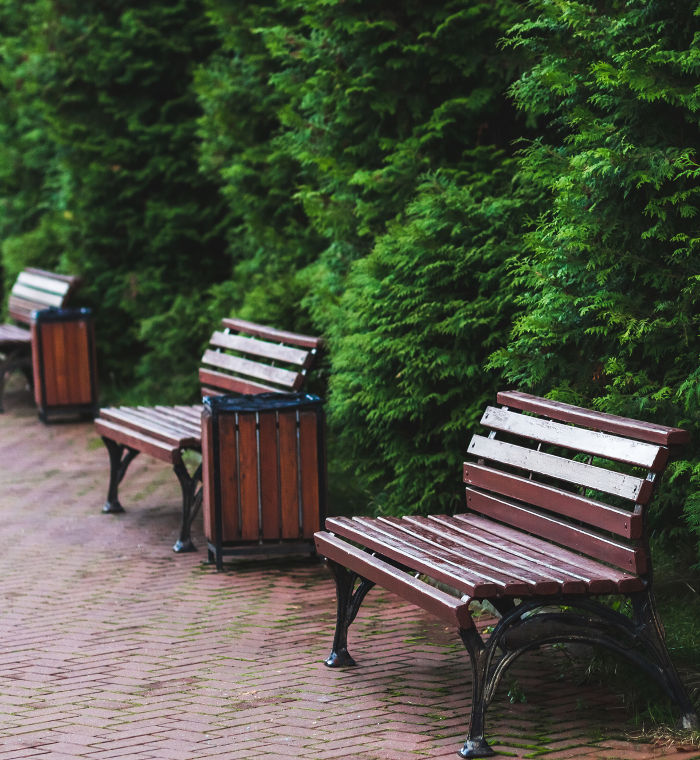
[(64, 363), (263, 457)]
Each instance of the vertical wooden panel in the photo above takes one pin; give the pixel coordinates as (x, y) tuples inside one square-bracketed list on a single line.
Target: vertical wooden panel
[(58, 332), (207, 477), (248, 457), (48, 364), (308, 433), (36, 364), (228, 467), (80, 364), (289, 480), (269, 477)]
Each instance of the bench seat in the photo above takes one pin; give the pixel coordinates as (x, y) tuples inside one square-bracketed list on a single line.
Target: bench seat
[(242, 357), (556, 496)]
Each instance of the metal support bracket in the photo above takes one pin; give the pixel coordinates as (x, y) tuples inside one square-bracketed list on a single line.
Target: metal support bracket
[(120, 457), (349, 600), (191, 504)]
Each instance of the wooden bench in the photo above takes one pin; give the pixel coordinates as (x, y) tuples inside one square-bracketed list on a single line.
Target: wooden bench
[(242, 357), (34, 290), (557, 496)]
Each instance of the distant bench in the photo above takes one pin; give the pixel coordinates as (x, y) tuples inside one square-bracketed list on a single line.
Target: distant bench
[(557, 496), (242, 357), (34, 290)]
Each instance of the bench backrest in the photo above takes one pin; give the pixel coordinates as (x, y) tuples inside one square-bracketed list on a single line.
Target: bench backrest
[(576, 477), (36, 289), (245, 357)]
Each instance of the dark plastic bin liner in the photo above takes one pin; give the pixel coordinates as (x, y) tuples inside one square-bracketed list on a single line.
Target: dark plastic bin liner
[(262, 402)]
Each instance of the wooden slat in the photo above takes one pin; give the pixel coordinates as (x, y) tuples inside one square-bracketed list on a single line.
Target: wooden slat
[(254, 347), (169, 417), (248, 476), (575, 538), (609, 423), (282, 377), (271, 333), (435, 601), (580, 439), (227, 383), (612, 578), (208, 481), (135, 440), (270, 478), (587, 475), (572, 578), (289, 473), (51, 284), (155, 426), (467, 579), (310, 496), (595, 513), (519, 578), (71, 279), (14, 334), (228, 481), (39, 297)]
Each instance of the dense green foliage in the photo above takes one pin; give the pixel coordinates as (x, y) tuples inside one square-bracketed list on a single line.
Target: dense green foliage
[(458, 196), (610, 304)]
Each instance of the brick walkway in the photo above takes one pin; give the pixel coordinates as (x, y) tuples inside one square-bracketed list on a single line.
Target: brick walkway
[(114, 647)]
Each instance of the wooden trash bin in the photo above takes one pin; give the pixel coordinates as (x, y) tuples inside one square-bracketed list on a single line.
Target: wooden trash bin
[(64, 365), (263, 473)]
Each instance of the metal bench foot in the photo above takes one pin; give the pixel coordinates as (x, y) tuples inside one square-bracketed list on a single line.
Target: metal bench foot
[(120, 457), (349, 600), (476, 748), (191, 503)]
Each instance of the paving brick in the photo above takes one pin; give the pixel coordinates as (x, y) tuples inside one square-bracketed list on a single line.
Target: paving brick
[(114, 647)]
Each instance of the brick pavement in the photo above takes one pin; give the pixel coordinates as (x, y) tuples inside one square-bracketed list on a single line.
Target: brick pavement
[(114, 647)]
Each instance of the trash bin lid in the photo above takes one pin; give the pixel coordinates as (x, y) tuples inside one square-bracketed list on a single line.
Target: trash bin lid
[(257, 402)]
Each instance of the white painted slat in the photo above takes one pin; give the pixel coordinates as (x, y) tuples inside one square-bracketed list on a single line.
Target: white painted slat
[(43, 283), (38, 296), (568, 436), (259, 348), (587, 475)]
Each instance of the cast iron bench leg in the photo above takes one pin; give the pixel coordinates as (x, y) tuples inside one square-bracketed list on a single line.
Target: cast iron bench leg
[(479, 658), (651, 630), (349, 600), (13, 361), (191, 502), (120, 457)]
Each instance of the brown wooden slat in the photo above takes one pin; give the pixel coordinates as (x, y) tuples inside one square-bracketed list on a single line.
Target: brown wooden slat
[(519, 579), (130, 417), (571, 578), (601, 578), (208, 477), (270, 478), (144, 443), (282, 377), (183, 426), (14, 334), (435, 601), (578, 539), (71, 279), (595, 513), (310, 496), (580, 439), (582, 474), (254, 347), (466, 579), (609, 423), (289, 473), (271, 333), (248, 476), (227, 383), (231, 520)]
